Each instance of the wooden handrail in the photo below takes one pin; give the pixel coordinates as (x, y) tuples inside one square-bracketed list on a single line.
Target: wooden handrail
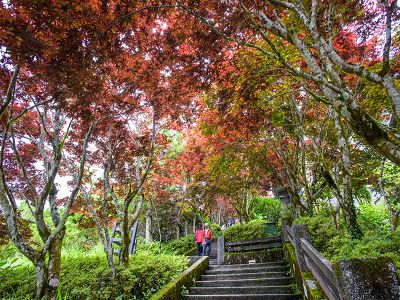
[(324, 264)]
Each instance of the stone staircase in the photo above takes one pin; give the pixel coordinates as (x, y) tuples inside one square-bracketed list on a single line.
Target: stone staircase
[(245, 281)]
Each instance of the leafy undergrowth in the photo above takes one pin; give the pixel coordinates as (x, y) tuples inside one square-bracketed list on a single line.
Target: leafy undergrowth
[(174, 247), (336, 244), (84, 271), (87, 277), (252, 230), (180, 246)]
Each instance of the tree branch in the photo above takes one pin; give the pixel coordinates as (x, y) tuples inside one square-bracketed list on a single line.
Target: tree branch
[(74, 192), (10, 90)]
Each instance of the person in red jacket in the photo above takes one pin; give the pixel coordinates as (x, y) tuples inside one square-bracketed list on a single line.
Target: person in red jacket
[(199, 238), (207, 240)]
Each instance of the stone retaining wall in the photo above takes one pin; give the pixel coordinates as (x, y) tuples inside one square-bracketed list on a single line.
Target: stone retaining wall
[(174, 289)]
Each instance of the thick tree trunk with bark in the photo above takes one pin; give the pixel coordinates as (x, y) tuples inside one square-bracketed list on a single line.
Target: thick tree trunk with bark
[(48, 270), (347, 201), (54, 266)]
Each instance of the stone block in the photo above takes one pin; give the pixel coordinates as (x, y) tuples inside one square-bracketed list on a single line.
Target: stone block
[(220, 250), (367, 279), (300, 231)]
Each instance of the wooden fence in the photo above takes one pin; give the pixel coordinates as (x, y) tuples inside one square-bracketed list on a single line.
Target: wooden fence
[(318, 265), (254, 244), (245, 246)]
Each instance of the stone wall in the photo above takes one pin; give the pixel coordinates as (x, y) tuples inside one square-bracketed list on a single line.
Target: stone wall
[(174, 289)]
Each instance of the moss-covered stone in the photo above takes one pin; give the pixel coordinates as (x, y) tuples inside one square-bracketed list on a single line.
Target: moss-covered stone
[(173, 290), (290, 255), (305, 281), (312, 287), (264, 256), (367, 279), (191, 252)]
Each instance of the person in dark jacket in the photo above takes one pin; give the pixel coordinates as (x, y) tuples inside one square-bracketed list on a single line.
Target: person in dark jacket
[(207, 240)]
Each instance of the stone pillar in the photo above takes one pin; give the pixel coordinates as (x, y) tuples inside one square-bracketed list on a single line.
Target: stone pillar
[(367, 279), (285, 222), (300, 232), (220, 250)]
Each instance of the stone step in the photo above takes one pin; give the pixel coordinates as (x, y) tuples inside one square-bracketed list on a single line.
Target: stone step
[(241, 290), (246, 282), (239, 266), (244, 276), (247, 270), (244, 297)]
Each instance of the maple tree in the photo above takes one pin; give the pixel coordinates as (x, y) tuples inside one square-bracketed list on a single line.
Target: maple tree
[(299, 142), (316, 33), (313, 77)]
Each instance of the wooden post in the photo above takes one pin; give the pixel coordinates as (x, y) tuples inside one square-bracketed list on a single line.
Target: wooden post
[(300, 232), (220, 250)]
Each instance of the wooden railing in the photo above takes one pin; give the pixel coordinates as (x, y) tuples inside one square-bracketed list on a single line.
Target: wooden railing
[(319, 266)]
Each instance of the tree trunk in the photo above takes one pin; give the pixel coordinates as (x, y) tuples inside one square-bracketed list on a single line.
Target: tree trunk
[(126, 239), (177, 231), (347, 203), (48, 271), (350, 216), (194, 224), (41, 277), (148, 224), (394, 221), (186, 228), (54, 266)]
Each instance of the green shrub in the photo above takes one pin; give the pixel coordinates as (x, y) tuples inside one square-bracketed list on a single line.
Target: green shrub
[(216, 230), (179, 246), (374, 218), (322, 230), (252, 230), (87, 277), (145, 275), (268, 209)]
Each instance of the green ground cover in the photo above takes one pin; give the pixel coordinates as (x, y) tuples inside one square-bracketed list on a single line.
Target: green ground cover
[(84, 271)]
